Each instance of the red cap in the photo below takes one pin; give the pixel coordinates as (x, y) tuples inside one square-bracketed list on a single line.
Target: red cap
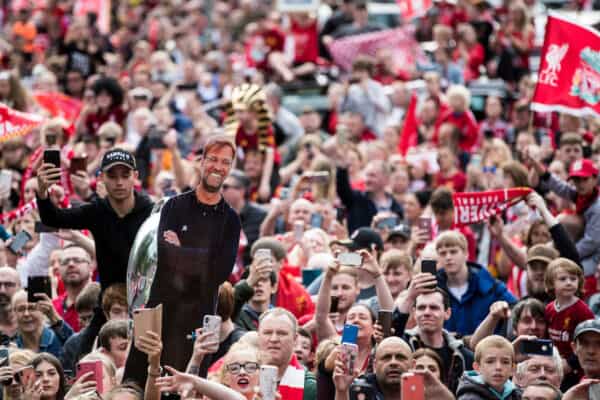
[(583, 169)]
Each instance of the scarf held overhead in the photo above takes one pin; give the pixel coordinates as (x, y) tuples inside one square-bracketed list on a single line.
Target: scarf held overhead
[(474, 207)]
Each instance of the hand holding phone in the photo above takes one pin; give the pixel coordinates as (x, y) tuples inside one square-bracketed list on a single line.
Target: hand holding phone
[(539, 347), (413, 386), (212, 324), (97, 373), (424, 223), (38, 284), (350, 259), (19, 241), (52, 156), (350, 333), (268, 381)]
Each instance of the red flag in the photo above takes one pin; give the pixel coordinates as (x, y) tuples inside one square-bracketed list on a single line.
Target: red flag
[(569, 77), (15, 123), (59, 105), (400, 42), (413, 8), (473, 207), (409, 134)]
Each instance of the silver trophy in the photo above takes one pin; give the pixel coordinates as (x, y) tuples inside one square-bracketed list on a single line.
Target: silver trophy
[(143, 260)]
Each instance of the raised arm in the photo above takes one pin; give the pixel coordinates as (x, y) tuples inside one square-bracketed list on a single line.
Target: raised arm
[(325, 328)]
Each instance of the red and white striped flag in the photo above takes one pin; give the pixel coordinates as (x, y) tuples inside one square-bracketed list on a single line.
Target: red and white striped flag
[(399, 42)]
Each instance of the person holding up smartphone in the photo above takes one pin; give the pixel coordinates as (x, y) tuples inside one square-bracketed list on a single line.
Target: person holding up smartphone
[(113, 221)]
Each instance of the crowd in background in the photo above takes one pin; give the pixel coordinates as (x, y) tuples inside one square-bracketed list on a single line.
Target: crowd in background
[(311, 185)]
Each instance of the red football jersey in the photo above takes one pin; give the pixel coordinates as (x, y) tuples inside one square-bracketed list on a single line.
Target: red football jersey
[(561, 324)]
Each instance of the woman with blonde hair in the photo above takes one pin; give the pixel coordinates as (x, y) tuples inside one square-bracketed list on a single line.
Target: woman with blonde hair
[(12, 92), (17, 359)]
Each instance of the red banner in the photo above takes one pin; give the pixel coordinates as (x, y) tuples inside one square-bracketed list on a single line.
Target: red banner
[(15, 123), (569, 77), (473, 207), (413, 8), (399, 42), (59, 105)]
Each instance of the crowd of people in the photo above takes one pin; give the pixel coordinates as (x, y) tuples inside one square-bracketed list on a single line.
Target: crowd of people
[(353, 276)]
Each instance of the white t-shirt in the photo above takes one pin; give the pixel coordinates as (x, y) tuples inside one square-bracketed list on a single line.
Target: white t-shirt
[(459, 291)]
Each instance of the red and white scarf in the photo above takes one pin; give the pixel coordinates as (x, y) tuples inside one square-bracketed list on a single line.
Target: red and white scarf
[(473, 207), (291, 386)]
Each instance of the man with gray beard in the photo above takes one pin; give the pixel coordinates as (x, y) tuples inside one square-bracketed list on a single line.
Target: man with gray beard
[(9, 285)]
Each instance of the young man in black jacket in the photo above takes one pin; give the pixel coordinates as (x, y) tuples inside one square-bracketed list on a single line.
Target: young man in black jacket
[(113, 221)]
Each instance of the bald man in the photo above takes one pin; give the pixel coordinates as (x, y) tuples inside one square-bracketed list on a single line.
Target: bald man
[(9, 285), (393, 357)]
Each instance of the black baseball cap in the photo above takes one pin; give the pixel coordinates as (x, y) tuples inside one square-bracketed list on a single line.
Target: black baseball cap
[(117, 157), (364, 238)]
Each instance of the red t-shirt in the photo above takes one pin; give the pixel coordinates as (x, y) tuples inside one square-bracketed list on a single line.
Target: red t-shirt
[(273, 39), (67, 313), (561, 324), (306, 42), (456, 182)]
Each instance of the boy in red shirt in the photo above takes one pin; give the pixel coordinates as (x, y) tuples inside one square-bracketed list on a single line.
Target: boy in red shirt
[(564, 279)]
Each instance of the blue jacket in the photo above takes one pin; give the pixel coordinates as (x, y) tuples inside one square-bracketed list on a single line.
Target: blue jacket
[(49, 343), (473, 307)]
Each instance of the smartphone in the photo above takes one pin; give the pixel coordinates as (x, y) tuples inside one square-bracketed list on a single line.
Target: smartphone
[(24, 375), (335, 302), (362, 391), (41, 228), (387, 223), (424, 223), (262, 254), (429, 266), (19, 241), (212, 323), (5, 180), (298, 230), (38, 284), (52, 157), (349, 334), (384, 318), (350, 259), (350, 353), (96, 367), (147, 319), (268, 381), (78, 164), (594, 391), (540, 347), (413, 387), (316, 220)]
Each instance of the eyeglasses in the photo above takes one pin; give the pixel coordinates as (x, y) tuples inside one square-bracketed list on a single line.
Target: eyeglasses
[(236, 368), (75, 260), (8, 285), (26, 307), (491, 170)]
